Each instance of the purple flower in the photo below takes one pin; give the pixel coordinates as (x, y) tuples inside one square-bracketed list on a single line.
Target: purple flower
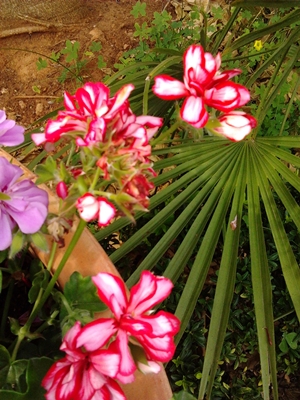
[(21, 203), (10, 133)]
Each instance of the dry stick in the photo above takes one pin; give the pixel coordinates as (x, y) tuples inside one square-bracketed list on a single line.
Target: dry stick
[(24, 29), (44, 27), (36, 97)]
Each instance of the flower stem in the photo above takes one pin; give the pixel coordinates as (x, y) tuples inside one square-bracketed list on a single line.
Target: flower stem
[(48, 322), (52, 255), (168, 132), (6, 307), (42, 298), (95, 180), (55, 276), (17, 345)]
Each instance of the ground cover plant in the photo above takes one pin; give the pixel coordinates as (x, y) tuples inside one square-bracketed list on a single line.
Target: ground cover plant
[(233, 202)]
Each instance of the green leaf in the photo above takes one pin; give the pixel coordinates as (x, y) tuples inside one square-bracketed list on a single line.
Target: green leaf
[(4, 365), (3, 255), (183, 396), (141, 31), (40, 281), (34, 374), (95, 46), (81, 293), (40, 241), (203, 164), (138, 9), (100, 62), (41, 64), (55, 56), (71, 51), (4, 357), (46, 171), (177, 263), (289, 264), (261, 280), (15, 374), (225, 287), (14, 325), (283, 346), (205, 254), (17, 244), (290, 339)]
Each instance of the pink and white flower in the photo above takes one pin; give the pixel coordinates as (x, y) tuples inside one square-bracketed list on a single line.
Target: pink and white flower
[(91, 207), (116, 140), (10, 133), (132, 321), (22, 204), (235, 125), (86, 115), (203, 86), (83, 374)]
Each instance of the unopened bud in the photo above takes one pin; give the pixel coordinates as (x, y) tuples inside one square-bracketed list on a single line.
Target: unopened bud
[(62, 190)]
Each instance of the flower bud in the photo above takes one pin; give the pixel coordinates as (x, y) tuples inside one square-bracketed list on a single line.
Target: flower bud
[(235, 125), (88, 207), (62, 190), (106, 211)]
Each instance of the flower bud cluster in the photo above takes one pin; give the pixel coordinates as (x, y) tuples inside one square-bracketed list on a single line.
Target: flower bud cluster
[(114, 152)]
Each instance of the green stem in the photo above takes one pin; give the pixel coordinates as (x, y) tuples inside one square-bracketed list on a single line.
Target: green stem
[(52, 255), (17, 345), (72, 151), (66, 304), (146, 95), (48, 322), (55, 276), (284, 315), (42, 298), (6, 307), (96, 179), (168, 132)]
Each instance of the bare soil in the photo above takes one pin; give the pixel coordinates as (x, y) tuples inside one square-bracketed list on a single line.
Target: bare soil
[(105, 21)]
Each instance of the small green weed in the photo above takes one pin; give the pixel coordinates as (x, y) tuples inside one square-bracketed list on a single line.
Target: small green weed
[(72, 62), (162, 33)]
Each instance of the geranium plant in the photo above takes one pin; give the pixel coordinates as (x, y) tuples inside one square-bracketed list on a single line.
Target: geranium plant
[(106, 175)]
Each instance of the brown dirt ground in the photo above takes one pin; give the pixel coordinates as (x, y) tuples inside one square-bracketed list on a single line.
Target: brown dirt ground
[(107, 21)]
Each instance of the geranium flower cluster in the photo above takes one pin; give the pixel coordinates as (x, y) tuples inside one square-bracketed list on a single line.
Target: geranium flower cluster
[(205, 86), (113, 348), (115, 148), (22, 204)]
